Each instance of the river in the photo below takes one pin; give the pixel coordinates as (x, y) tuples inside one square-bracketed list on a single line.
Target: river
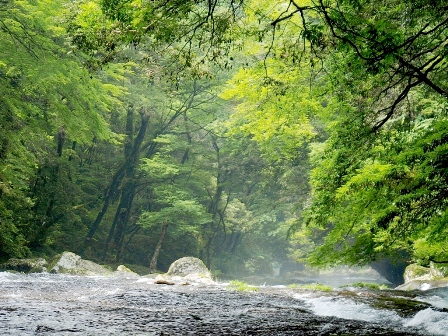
[(52, 304)]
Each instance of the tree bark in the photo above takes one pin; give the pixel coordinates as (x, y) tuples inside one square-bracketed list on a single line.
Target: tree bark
[(126, 169), (155, 256)]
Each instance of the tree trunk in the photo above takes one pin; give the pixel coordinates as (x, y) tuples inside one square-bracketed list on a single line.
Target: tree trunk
[(155, 256), (126, 169), (110, 196), (123, 218)]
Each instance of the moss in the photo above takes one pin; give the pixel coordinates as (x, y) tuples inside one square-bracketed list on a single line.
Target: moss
[(415, 271), (241, 286), (54, 261), (314, 287), (367, 285), (404, 307), (439, 270)]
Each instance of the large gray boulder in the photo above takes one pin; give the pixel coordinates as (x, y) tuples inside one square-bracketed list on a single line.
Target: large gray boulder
[(439, 270), (70, 263), (185, 271), (188, 266), (416, 272), (423, 278), (31, 265)]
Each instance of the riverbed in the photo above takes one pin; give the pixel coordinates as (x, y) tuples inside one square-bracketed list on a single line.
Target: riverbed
[(55, 304)]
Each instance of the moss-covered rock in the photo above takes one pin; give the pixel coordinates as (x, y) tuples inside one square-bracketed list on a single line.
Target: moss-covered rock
[(31, 265), (414, 272), (438, 270), (123, 271), (188, 266), (70, 263)]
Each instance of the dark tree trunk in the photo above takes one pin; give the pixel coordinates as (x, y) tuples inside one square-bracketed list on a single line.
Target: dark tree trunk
[(61, 140), (110, 196), (119, 224), (123, 212), (155, 256), (126, 169), (123, 218)]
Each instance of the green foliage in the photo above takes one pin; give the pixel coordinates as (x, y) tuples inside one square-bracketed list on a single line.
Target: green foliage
[(313, 287), (390, 196), (46, 96), (274, 110), (241, 286), (367, 285), (333, 123)]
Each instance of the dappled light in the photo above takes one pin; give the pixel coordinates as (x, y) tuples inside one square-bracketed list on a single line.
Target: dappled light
[(301, 144)]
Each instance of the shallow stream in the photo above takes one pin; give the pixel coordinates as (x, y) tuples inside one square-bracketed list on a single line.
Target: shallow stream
[(50, 304)]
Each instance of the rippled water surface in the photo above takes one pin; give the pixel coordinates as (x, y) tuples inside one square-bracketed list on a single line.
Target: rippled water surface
[(48, 304)]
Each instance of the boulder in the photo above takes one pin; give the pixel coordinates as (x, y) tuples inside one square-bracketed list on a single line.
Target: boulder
[(416, 272), (439, 270), (189, 266), (185, 271), (423, 278), (31, 265), (123, 271), (123, 268), (423, 285), (392, 268), (70, 263)]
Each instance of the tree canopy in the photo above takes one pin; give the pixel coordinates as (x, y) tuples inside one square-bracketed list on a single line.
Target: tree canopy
[(141, 131)]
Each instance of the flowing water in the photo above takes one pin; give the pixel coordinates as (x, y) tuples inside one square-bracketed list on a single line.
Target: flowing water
[(50, 304)]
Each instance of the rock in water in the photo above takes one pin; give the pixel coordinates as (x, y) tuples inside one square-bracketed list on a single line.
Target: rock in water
[(163, 282), (32, 265), (125, 272), (70, 263), (424, 278), (189, 266), (438, 270), (416, 272)]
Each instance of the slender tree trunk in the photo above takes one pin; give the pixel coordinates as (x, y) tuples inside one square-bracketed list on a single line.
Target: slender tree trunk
[(119, 224), (211, 230), (111, 194), (155, 256), (126, 169), (123, 218)]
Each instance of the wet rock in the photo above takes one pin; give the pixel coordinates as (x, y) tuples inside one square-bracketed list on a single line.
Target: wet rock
[(423, 278), (188, 266), (70, 263), (126, 272), (419, 284), (416, 272), (69, 306), (32, 265), (439, 270), (163, 282), (187, 270)]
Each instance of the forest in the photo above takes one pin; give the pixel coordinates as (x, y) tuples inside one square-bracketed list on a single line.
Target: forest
[(243, 132)]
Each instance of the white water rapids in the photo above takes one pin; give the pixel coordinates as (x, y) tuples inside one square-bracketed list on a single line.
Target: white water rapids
[(428, 321), (50, 304)]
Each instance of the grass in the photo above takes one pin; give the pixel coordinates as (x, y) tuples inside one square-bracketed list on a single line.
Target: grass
[(367, 285), (241, 286), (313, 286)]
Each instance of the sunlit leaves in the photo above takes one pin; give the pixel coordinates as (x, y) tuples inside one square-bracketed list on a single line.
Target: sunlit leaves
[(275, 109), (386, 198)]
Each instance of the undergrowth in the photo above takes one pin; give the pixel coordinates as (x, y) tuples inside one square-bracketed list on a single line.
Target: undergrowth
[(367, 285), (241, 286), (313, 286)]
